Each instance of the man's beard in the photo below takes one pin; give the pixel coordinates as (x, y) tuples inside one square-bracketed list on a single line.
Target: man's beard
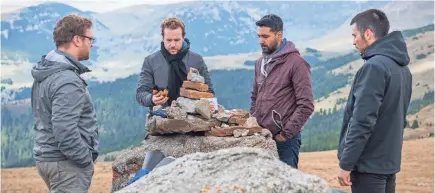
[(269, 50)]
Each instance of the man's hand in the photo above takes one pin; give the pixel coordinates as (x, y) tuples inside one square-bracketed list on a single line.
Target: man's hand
[(159, 100), (344, 178), (280, 138)]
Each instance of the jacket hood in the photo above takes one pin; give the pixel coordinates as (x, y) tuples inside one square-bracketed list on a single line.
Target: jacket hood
[(284, 49), (392, 45), (56, 61)]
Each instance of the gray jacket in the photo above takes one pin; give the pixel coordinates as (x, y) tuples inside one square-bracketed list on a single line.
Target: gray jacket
[(65, 121), (155, 70)]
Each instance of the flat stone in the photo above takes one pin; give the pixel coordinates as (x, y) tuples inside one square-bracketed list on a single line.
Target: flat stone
[(186, 104), (193, 94), (159, 126), (195, 86), (223, 131), (237, 120), (229, 131), (202, 107)]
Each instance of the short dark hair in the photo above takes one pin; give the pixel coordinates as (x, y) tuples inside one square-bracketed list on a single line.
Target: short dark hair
[(69, 26), (173, 23), (273, 21), (372, 19)]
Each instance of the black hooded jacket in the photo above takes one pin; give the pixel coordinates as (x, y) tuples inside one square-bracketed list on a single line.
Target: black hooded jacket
[(375, 114)]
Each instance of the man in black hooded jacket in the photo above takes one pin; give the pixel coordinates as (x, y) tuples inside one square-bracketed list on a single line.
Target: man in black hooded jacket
[(375, 115)]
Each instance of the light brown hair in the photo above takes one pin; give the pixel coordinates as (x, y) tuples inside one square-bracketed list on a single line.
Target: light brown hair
[(173, 23), (69, 26)]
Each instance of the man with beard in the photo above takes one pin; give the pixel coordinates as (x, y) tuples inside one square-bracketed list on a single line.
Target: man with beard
[(282, 97), (66, 135), (371, 137), (168, 67)]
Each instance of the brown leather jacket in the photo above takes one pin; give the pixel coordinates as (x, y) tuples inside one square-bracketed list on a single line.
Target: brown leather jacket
[(283, 101)]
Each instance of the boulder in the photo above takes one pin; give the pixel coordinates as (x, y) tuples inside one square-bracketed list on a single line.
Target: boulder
[(247, 170), (130, 161)]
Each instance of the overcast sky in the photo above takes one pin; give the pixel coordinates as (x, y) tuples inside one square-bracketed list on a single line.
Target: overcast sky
[(84, 5)]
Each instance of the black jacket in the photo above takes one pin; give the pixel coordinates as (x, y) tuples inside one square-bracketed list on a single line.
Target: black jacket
[(375, 114)]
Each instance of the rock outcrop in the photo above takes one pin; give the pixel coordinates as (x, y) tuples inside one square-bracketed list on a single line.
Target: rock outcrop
[(130, 161), (248, 170)]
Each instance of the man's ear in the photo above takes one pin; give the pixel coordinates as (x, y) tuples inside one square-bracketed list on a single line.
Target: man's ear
[(76, 41), (369, 35), (279, 35)]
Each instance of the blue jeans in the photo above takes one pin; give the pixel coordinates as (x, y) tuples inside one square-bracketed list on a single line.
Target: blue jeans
[(288, 151)]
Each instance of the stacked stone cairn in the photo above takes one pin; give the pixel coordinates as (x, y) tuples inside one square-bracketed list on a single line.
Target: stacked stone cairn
[(191, 114), (189, 126)]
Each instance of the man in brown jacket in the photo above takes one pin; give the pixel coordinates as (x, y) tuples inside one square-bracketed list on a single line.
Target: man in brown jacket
[(282, 97)]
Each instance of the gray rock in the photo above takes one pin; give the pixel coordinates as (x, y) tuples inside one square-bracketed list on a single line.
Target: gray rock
[(194, 76), (240, 132), (202, 107), (266, 133), (197, 78), (186, 104), (223, 116), (176, 113), (130, 161), (228, 171)]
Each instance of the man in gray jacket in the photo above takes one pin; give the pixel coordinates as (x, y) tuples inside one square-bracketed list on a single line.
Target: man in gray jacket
[(66, 135), (168, 67)]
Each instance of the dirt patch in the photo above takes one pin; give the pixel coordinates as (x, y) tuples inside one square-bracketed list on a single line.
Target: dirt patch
[(417, 173)]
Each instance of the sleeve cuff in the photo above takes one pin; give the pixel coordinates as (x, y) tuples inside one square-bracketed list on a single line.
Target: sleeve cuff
[(150, 100), (346, 167)]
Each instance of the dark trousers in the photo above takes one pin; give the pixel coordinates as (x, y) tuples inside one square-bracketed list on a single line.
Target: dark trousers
[(373, 183), (288, 151)]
